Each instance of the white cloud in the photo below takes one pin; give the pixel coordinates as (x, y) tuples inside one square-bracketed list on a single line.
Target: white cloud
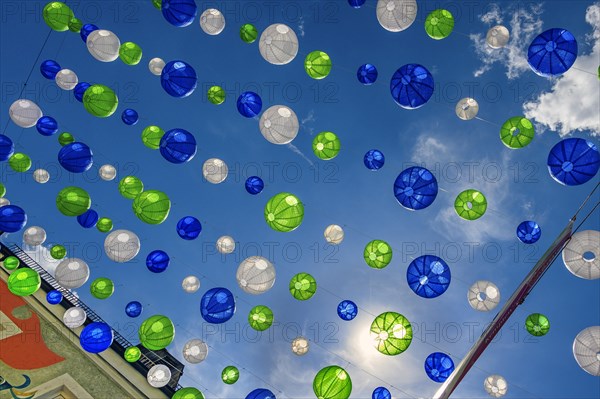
[(301, 26), (574, 100), (525, 24), (296, 150), (307, 121)]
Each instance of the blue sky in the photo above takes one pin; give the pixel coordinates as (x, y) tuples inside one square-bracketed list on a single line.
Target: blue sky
[(461, 154)]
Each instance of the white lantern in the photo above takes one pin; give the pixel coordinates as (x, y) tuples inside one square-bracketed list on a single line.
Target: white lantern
[(107, 172), (334, 234), (396, 15), (212, 21), (467, 109), (215, 170), (496, 386), (158, 376), (66, 79), (190, 284), (24, 113), (278, 44), (41, 176), (256, 275), (483, 296), (497, 37), (74, 317), (156, 66), (34, 236), (582, 254), (586, 349), (4, 201), (225, 244), (103, 45), (279, 124), (195, 351), (300, 346), (122, 245), (72, 272)]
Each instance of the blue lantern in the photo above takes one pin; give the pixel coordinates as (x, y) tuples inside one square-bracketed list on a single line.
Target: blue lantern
[(88, 219), (249, 104), (75, 157), (552, 52), (79, 90), (54, 297), (12, 218), (411, 86), (254, 185), (49, 69), (347, 310), (381, 393), (529, 232), (415, 188), (133, 309), (573, 161), (47, 126), (261, 393), (178, 146), (180, 13), (7, 147), (189, 228), (374, 159), (428, 276), (129, 116), (157, 261), (367, 74), (96, 337), (439, 366), (178, 79), (217, 305)]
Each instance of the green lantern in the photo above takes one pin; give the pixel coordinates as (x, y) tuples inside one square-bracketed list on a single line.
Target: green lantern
[(439, 24), (73, 201), (157, 4), (104, 225), (11, 262), (284, 212), (248, 33), (260, 318), (230, 375), (517, 132), (2, 190), (151, 136), (391, 333), (332, 382), (19, 162), (132, 354), (326, 145), (57, 16), (216, 95), (130, 53), (152, 206), (130, 187), (188, 393), (75, 25), (317, 64), (100, 101), (65, 138), (102, 288), (378, 254), (58, 252), (537, 324), (470, 204), (156, 332), (303, 286), (24, 282)]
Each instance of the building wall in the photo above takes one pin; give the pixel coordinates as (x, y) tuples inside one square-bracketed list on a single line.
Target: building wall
[(35, 342)]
